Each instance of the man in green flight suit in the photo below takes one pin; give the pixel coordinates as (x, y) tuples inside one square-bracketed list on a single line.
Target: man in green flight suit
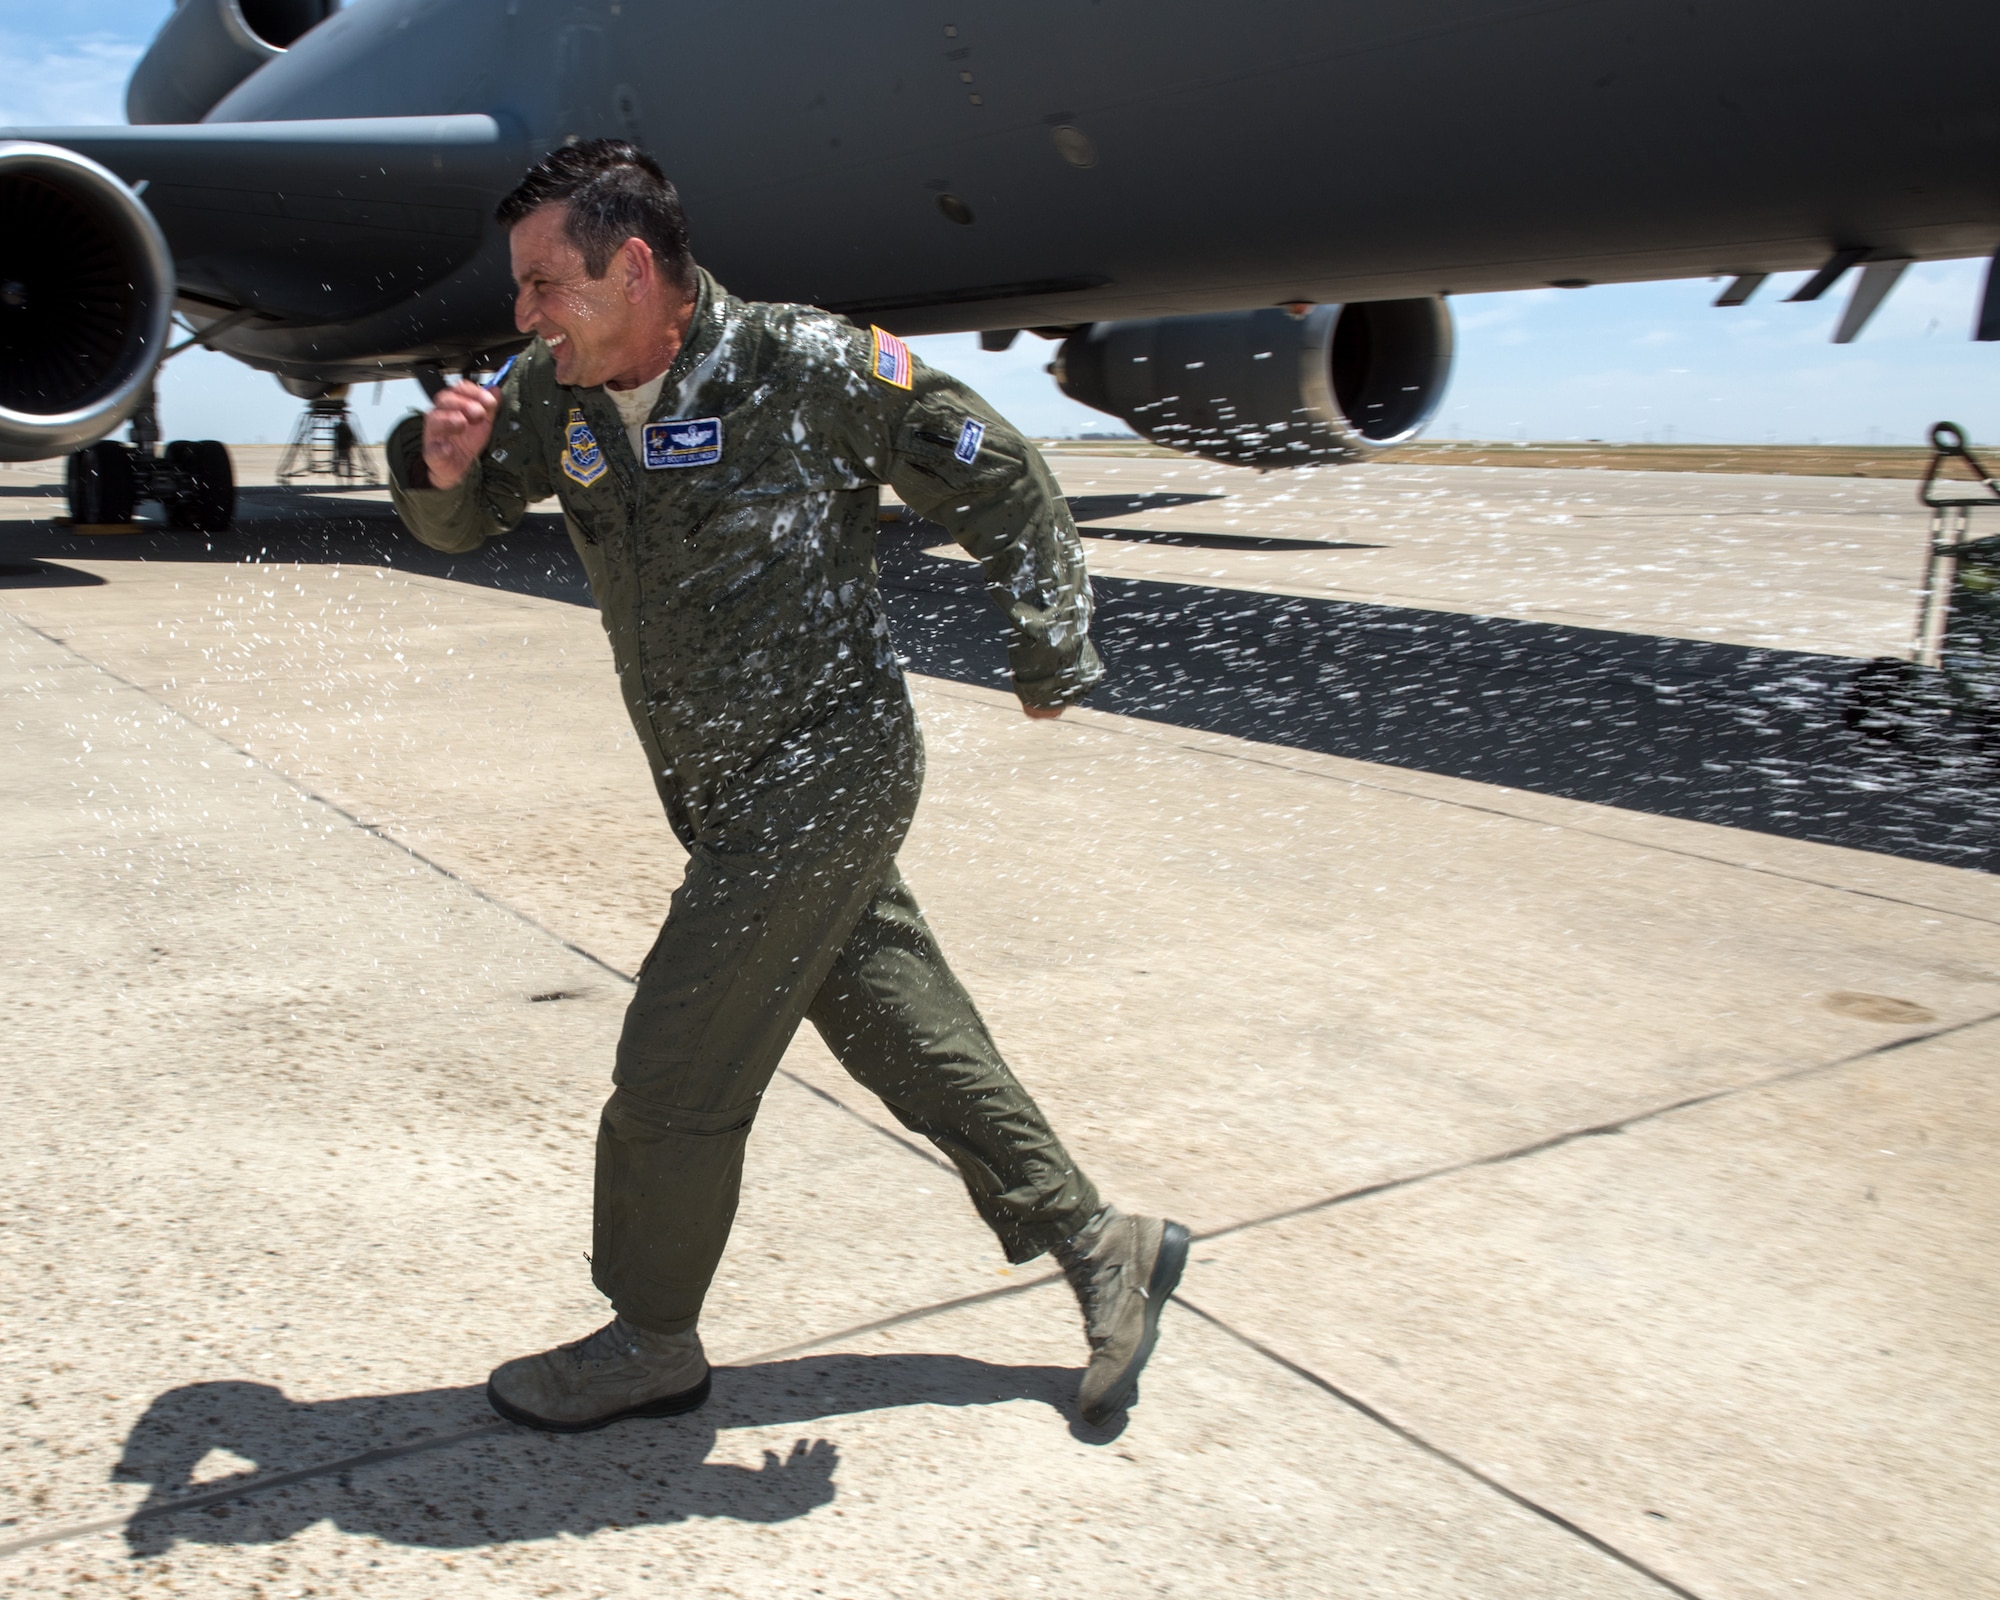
[(719, 463)]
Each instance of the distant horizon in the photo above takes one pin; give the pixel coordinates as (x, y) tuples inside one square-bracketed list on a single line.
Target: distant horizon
[(1426, 441), (1527, 370)]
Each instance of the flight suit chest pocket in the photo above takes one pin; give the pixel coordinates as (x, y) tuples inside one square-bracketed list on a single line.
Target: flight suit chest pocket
[(596, 512), (697, 469)]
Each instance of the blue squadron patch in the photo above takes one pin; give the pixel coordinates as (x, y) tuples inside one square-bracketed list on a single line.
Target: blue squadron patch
[(581, 459), (969, 438), (689, 442)]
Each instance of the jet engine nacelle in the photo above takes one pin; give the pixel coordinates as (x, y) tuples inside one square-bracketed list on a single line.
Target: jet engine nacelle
[(1269, 388), (207, 47), (86, 290)]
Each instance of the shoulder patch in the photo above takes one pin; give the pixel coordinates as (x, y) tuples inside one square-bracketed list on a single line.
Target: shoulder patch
[(581, 459), (969, 439), (890, 358)]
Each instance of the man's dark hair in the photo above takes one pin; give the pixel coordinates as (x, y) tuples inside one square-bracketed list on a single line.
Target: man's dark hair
[(612, 191)]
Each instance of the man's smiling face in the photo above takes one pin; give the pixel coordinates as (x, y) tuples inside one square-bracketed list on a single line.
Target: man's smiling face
[(587, 323)]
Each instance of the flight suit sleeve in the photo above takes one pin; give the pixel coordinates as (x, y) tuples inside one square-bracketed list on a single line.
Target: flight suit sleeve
[(957, 462), (510, 475)]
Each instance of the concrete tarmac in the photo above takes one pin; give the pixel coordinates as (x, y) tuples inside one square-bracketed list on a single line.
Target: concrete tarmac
[(1776, 563), (1595, 1200)]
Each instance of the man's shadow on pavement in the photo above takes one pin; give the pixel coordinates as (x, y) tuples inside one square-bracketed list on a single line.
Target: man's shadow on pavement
[(511, 1484)]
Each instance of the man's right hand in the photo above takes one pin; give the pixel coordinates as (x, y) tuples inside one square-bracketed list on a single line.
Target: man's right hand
[(456, 429)]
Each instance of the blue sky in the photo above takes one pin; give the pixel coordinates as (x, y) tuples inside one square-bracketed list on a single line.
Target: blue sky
[(1634, 361)]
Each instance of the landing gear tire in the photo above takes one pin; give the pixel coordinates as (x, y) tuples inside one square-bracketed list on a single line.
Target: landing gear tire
[(103, 488), (204, 500)]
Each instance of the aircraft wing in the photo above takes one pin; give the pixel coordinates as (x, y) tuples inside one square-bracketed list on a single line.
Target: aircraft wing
[(310, 222)]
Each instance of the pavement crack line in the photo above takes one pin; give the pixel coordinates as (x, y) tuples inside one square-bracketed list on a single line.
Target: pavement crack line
[(1636, 1119), (1344, 1197), (1438, 1453), (923, 1313), (376, 831), (244, 1489)]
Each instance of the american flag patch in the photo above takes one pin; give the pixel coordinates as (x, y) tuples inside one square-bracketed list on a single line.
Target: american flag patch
[(891, 358)]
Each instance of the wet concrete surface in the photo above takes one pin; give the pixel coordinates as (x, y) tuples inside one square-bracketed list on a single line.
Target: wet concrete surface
[(1593, 1197), (1828, 565), (1722, 733), (1717, 731)]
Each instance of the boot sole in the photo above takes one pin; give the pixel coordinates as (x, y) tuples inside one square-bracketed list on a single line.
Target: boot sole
[(668, 1405), (1167, 1268)]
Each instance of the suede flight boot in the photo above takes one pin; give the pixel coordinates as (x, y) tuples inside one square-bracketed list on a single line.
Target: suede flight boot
[(619, 1371), (1123, 1270)]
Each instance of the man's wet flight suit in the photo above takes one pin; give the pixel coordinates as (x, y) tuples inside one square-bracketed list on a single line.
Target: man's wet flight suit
[(734, 569)]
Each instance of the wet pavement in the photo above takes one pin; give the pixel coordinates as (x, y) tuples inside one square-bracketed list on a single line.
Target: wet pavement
[(1579, 1075)]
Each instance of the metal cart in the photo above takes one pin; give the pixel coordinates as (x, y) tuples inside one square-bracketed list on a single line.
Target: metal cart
[(1947, 694), (1958, 627)]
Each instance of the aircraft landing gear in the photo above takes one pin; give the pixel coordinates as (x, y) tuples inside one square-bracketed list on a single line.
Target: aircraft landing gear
[(203, 499), (328, 443), (192, 479), (103, 487)]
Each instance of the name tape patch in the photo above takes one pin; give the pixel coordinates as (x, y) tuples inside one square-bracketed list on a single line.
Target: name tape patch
[(581, 458), (891, 359), (688, 442), (969, 439)]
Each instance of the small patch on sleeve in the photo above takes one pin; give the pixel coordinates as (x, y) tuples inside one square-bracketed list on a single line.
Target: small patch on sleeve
[(890, 358), (969, 439)]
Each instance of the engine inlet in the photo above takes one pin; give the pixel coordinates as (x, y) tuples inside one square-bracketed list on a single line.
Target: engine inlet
[(86, 289)]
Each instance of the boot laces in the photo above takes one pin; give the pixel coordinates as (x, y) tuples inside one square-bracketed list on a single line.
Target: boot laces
[(1099, 1294), (1095, 1278), (606, 1344)]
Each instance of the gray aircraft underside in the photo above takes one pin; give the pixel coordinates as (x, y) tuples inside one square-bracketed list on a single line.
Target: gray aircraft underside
[(1046, 163)]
